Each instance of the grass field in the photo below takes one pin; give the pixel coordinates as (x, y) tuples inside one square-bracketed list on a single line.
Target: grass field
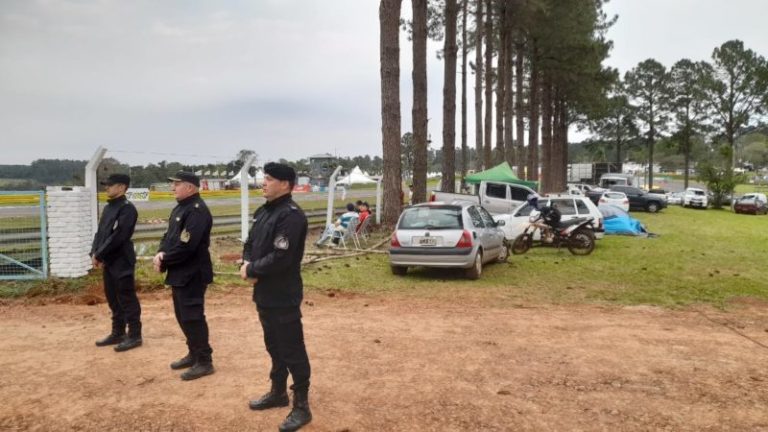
[(699, 256)]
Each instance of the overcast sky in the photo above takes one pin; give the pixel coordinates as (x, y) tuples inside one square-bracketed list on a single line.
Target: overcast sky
[(198, 81)]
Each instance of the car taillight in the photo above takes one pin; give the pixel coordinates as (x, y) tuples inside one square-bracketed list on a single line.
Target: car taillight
[(394, 242), (602, 200), (626, 201), (432, 198), (465, 241)]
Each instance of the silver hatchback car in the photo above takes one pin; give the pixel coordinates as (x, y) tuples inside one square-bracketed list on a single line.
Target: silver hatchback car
[(458, 235)]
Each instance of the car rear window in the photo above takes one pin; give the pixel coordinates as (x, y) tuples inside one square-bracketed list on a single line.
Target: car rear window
[(615, 195), (582, 208), (447, 217), (564, 205)]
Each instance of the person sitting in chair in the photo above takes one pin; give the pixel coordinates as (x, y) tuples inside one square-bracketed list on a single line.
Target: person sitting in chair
[(365, 213), (336, 230)]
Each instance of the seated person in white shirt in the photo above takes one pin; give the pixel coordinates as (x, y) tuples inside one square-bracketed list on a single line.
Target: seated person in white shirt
[(338, 228)]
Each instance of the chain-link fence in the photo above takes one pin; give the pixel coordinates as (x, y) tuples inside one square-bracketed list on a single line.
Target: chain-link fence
[(23, 235)]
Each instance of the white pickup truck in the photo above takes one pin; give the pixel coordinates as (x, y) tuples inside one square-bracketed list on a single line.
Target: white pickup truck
[(496, 197)]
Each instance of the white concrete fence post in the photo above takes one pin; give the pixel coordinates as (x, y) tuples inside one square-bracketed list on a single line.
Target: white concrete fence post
[(245, 216), (69, 230), (331, 192)]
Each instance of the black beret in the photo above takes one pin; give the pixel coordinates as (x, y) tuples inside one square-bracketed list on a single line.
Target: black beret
[(117, 178), (185, 176), (280, 171)]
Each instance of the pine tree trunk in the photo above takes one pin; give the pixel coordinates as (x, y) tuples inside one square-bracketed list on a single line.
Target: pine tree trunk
[(546, 133), (389, 22), (509, 143), (478, 165), (419, 112), (448, 183), (533, 118), (487, 149), (562, 166), (464, 50), (519, 109), (499, 155)]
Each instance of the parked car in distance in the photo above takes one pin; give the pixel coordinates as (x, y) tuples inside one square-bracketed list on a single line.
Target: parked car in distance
[(751, 203), (642, 200), (496, 197), (609, 180), (675, 198), (695, 197), (459, 235), (615, 198), (570, 207), (582, 188)]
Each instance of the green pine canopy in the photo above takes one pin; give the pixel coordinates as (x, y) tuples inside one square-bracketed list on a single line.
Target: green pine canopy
[(500, 173)]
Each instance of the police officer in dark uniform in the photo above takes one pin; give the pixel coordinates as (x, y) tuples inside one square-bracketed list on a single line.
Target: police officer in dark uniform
[(272, 261), (112, 249), (184, 255)]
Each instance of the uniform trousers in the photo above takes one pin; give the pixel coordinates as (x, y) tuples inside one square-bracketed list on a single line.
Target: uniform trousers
[(284, 340), (123, 302), (189, 307)]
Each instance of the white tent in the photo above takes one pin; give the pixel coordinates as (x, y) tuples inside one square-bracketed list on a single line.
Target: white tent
[(356, 177), (258, 179)]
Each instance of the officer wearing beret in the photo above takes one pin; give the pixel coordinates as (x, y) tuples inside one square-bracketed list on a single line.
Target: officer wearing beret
[(272, 261), (184, 255), (112, 249)]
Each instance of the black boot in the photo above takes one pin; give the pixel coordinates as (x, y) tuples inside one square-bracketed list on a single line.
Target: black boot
[(185, 362), (112, 339), (300, 414), (199, 370), (133, 340), (276, 397), (129, 343)]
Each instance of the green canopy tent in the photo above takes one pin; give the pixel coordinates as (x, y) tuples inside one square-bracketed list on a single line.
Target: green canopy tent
[(500, 173)]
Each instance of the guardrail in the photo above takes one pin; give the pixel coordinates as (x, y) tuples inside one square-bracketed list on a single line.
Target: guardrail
[(222, 225)]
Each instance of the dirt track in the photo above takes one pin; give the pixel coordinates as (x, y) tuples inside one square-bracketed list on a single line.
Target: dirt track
[(396, 365)]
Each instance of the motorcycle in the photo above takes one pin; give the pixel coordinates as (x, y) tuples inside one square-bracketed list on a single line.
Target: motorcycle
[(575, 234)]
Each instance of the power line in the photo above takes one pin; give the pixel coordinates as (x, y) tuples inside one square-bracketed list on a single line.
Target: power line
[(167, 154)]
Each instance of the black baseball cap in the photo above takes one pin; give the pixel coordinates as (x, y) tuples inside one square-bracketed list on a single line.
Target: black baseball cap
[(186, 176), (117, 179)]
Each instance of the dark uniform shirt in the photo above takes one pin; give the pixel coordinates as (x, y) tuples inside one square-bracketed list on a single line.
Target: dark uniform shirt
[(275, 247), (186, 243), (112, 243)]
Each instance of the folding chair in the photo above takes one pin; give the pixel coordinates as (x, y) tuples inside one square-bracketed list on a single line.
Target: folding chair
[(348, 234), (362, 230)]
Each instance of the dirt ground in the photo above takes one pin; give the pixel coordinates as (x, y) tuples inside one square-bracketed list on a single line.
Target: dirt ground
[(396, 364)]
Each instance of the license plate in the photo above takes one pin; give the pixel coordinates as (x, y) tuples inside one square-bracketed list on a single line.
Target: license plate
[(426, 241)]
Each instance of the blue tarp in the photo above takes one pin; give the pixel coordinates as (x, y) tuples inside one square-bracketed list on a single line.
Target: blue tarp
[(617, 221)]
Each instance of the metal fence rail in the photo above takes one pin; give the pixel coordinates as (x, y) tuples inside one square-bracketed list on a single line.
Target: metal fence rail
[(23, 237)]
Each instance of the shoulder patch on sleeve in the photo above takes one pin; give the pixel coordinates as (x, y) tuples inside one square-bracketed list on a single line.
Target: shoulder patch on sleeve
[(185, 236), (281, 242)]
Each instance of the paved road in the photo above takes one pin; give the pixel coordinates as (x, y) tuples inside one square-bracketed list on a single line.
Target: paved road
[(17, 211)]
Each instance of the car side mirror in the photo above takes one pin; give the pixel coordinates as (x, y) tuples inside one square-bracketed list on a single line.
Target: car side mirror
[(500, 223)]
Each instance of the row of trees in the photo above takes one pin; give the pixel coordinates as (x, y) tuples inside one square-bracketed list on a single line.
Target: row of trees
[(538, 67), (716, 101), (539, 60)]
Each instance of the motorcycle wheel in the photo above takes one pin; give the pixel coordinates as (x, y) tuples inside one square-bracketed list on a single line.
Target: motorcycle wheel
[(581, 242), (521, 244)]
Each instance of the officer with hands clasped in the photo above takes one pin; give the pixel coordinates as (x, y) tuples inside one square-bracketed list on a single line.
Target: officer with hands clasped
[(112, 250), (185, 257), (272, 262)]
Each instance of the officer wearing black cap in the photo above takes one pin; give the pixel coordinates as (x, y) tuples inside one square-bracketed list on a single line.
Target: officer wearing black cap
[(112, 249), (184, 255), (272, 261)]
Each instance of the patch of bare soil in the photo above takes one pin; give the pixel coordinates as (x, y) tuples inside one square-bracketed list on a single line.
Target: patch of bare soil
[(395, 364)]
